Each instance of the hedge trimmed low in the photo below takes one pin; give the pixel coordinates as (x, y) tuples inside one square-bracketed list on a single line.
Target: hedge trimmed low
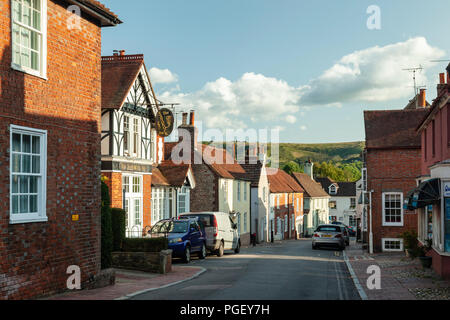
[(118, 227), (106, 232), (145, 244)]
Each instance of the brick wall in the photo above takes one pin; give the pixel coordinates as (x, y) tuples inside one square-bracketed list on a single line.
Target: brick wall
[(35, 256), (205, 195), (391, 170), (288, 210)]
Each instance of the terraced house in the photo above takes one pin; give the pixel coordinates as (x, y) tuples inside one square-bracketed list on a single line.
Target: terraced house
[(222, 183), (50, 106)]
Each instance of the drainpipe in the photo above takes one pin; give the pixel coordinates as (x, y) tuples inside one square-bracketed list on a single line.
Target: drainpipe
[(370, 224)]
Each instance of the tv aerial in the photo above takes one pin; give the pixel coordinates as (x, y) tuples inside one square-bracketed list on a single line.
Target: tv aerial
[(414, 72)]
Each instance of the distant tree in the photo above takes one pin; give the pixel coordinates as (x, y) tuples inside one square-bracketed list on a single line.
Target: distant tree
[(292, 167)]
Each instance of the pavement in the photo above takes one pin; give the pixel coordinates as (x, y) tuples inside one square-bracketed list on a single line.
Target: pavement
[(131, 283), (401, 278)]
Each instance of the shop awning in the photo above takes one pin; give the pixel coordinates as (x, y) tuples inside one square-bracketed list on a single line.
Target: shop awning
[(427, 193)]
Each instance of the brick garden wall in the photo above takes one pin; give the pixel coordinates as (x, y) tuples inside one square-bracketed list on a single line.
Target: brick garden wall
[(391, 170), (35, 256)]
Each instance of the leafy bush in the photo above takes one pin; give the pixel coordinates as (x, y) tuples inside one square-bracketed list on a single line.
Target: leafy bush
[(145, 244), (118, 227), (411, 243), (106, 225)]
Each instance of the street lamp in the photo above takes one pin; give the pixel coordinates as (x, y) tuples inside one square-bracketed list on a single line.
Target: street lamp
[(370, 221)]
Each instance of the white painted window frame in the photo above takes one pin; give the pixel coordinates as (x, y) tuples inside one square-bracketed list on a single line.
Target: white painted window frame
[(41, 215), (384, 240), (392, 224), (42, 72)]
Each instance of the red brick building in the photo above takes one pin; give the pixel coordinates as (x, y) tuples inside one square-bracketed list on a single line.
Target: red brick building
[(50, 105), (432, 194), (286, 203), (392, 163)]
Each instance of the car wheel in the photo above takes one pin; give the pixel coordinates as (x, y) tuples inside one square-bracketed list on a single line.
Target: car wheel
[(220, 250), (238, 248), (202, 253), (187, 254)]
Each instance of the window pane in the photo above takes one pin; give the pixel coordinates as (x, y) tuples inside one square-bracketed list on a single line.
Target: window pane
[(15, 204), (33, 204), (26, 143), (36, 145), (24, 184), (17, 10), (16, 142), (24, 204), (26, 13), (36, 164), (16, 163), (33, 184), (36, 20), (26, 164), (15, 184), (34, 60), (37, 5)]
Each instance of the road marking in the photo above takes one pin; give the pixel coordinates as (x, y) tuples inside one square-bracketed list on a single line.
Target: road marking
[(341, 297), (358, 286)]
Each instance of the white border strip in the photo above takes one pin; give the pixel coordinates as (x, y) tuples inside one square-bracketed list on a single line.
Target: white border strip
[(358, 286), (131, 295)]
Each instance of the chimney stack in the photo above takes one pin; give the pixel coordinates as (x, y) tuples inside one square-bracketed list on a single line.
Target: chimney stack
[(309, 169), (422, 98), (442, 78), (448, 74), (122, 53)]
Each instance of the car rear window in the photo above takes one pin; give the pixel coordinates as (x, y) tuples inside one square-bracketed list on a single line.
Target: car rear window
[(329, 229), (205, 220)]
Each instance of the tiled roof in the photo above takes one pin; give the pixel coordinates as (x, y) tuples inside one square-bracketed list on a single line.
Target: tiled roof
[(344, 189), (393, 128), (253, 172), (158, 179), (281, 182), (118, 76), (222, 163), (175, 174), (312, 188)]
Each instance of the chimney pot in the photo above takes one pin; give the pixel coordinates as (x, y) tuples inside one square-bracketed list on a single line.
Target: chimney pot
[(442, 78), (122, 53), (192, 120), (422, 99), (185, 116)]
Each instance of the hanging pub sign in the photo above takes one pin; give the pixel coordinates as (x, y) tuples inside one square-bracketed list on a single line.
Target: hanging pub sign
[(164, 122)]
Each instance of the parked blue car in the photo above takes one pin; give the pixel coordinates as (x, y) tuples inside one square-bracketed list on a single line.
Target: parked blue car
[(185, 237)]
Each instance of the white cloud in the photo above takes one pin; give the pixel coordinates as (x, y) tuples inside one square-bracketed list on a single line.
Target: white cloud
[(373, 74), (291, 119), (370, 75), (162, 76), (252, 98)]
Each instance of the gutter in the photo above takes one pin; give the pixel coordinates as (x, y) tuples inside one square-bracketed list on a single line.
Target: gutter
[(106, 19)]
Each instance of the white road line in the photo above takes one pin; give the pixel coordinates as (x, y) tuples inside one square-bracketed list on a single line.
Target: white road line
[(358, 286), (341, 297)]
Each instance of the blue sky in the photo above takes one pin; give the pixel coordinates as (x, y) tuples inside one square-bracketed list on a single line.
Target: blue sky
[(309, 68)]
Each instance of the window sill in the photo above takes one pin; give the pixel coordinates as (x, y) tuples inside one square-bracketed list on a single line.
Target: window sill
[(28, 220), (392, 224), (29, 72)]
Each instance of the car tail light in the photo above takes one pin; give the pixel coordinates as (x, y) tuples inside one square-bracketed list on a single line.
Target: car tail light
[(216, 228), (316, 235), (338, 236)]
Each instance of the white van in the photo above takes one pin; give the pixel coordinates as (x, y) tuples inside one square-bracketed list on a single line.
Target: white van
[(221, 231)]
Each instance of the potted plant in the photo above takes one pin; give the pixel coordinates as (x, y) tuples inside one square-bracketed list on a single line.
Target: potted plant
[(422, 254), (411, 243)]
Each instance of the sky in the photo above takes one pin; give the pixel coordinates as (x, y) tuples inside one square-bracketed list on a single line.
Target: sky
[(306, 68)]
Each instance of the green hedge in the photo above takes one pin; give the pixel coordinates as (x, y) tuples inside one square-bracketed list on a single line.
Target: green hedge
[(144, 244), (106, 234), (118, 227)]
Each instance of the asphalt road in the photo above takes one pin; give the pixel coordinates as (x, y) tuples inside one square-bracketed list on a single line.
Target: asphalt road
[(287, 271)]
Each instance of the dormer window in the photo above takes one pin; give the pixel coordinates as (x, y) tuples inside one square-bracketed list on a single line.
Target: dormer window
[(333, 189), (29, 36)]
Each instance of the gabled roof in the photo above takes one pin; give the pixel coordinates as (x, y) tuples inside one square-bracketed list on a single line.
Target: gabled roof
[(344, 189), (222, 163), (253, 171), (118, 76), (442, 99), (312, 188), (281, 182), (173, 175), (97, 9), (393, 129)]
